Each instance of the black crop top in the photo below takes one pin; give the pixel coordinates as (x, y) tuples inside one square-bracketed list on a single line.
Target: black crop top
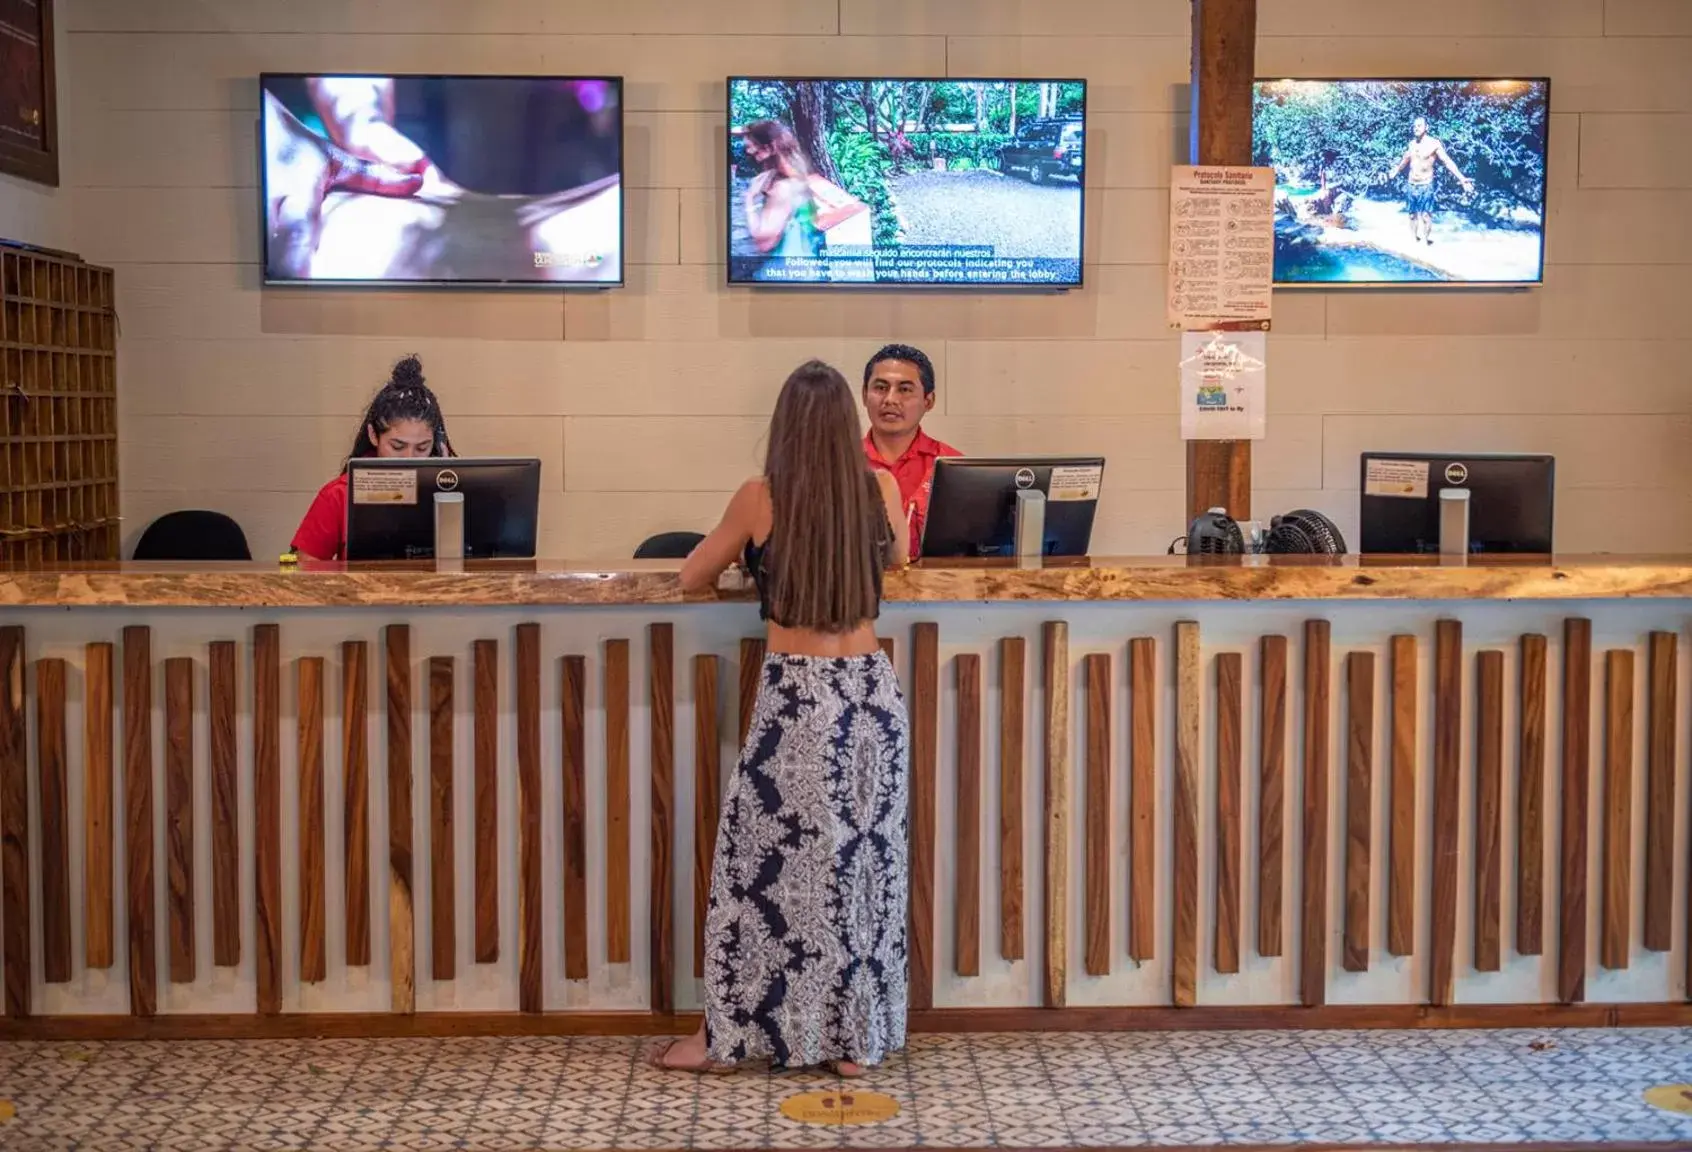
[(756, 553)]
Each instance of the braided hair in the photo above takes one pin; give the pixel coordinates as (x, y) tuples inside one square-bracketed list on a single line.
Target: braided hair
[(403, 397)]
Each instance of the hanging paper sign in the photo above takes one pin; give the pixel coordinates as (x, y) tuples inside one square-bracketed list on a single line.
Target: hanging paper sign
[(1224, 385), (1221, 247)]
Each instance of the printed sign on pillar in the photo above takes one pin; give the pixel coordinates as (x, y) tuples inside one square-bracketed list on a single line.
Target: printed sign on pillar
[(1224, 378)]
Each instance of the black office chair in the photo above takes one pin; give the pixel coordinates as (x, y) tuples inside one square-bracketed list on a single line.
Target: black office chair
[(668, 546), (193, 535)]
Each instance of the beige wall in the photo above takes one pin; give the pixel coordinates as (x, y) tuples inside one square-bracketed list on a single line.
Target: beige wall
[(647, 403)]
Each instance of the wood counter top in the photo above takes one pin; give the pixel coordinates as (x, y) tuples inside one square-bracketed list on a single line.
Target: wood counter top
[(539, 583)]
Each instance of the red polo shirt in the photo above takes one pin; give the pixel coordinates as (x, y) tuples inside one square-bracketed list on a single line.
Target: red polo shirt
[(914, 473), (322, 535)]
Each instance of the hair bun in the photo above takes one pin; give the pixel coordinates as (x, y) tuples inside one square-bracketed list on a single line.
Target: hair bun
[(408, 373)]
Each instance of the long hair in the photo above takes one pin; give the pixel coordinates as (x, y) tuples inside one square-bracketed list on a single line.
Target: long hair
[(830, 533), (784, 145), (403, 397)]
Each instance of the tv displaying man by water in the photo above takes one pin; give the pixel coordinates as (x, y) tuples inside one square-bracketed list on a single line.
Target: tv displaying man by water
[(937, 182), (1405, 181)]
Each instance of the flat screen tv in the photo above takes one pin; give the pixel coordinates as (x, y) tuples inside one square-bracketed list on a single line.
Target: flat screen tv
[(436, 180), (1405, 182), (944, 183)]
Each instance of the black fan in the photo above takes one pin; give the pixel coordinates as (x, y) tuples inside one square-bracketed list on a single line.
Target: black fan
[(1215, 534), (1304, 533)]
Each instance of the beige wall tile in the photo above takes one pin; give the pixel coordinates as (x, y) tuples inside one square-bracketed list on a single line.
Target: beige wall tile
[(1446, 17), (34, 213), (1013, 17), (1646, 150), (1061, 377), (1647, 18), (662, 453), (675, 149), (605, 525), (164, 149), (1134, 149), (1619, 226)]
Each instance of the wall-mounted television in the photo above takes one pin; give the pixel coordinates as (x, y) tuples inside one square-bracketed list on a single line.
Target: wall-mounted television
[(442, 180), (1405, 182), (943, 183)]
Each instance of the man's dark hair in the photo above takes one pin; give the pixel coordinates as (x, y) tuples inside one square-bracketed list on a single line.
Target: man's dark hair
[(925, 366)]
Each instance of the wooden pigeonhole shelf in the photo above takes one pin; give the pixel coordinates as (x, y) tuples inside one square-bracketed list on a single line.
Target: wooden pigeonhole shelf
[(58, 409)]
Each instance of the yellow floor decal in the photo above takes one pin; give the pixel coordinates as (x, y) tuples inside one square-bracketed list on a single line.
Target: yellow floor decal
[(1673, 1097), (847, 1106), (7, 1110)]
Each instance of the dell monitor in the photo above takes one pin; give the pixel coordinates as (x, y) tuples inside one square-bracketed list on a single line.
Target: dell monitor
[(972, 507), (391, 506), (1510, 501)]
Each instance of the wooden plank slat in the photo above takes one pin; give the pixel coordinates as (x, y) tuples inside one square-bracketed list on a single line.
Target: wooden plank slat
[(51, 786), (1142, 798), (1098, 811), (1189, 706), (707, 797), (1313, 945), (1530, 801), (1576, 801), (1489, 811), (1359, 806), (98, 840), (1013, 702), (572, 710), (890, 649), (531, 942), (1055, 959), (925, 755), (267, 817), (355, 791), (1660, 799), (967, 899), (402, 923), (661, 714), (1401, 848), (751, 671), (179, 815), (1271, 795), (1613, 944), (138, 820), (484, 795), (1447, 791), (225, 806), (1230, 703), (314, 957), (617, 909), (443, 908), (15, 947)]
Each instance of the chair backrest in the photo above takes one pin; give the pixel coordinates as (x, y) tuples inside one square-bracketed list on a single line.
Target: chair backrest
[(668, 546), (193, 535)]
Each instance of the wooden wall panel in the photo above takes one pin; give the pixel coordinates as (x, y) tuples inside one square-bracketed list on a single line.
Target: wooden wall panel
[(138, 820), (751, 672), (1271, 795), (223, 707), (661, 713), (531, 936), (402, 924), (443, 907), (314, 952), (1013, 698), (1189, 706), (617, 800), (97, 828), (51, 790), (484, 796), (1618, 808), (1489, 810), (1401, 847), (1447, 790), (1142, 798), (14, 825), (1055, 960), (1313, 893), (1359, 801), (355, 791), (967, 898), (267, 817), (573, 724), (179, 815), (1099, 810), (925, 749), (1577, 797), (1230, 705), (1530, 801), (1660, 800), (707, 797)]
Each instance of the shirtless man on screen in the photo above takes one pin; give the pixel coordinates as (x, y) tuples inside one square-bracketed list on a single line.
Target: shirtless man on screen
[(1420, 158)]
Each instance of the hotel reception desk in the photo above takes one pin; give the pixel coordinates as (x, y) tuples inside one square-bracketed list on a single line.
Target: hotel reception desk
[(243, 800)]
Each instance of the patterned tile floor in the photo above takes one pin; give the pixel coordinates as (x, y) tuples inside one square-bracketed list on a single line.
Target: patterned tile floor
[(1048, 1090)]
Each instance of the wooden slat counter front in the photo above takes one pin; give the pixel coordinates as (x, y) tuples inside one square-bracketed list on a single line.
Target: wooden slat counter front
[(1322, 792)]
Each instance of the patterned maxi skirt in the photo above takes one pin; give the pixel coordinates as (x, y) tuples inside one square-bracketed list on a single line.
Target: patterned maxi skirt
[(805, 933)]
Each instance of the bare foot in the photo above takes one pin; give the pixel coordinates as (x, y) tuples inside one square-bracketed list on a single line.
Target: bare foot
[(684, 1055), (847, 1070)]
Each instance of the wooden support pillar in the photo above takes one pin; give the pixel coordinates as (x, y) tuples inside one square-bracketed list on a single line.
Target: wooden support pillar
[(1224, 61)]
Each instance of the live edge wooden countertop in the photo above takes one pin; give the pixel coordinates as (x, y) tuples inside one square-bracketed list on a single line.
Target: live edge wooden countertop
[(541, 583)]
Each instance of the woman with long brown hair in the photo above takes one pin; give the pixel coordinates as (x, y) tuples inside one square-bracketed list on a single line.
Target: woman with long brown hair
[(781, 210), (805, 934)]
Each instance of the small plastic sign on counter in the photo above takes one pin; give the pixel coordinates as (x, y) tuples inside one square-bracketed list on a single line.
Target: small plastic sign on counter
[(1224, 382)]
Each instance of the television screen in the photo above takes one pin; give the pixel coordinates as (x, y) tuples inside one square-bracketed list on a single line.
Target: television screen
[(497, 180), (1405, 181), (937, 182)]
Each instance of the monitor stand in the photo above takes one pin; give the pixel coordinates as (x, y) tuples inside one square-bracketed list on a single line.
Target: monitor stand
[(1029, 529)]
